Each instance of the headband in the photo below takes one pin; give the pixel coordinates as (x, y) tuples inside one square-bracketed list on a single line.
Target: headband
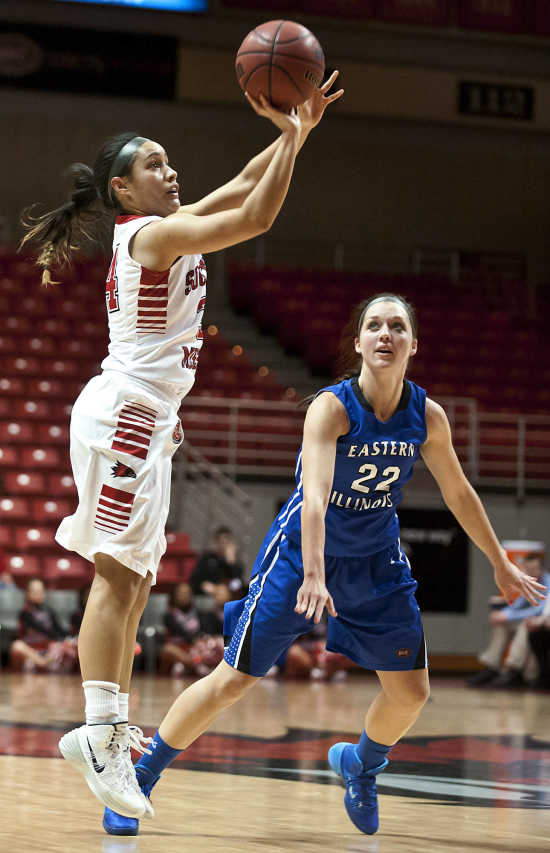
[(122, 160)]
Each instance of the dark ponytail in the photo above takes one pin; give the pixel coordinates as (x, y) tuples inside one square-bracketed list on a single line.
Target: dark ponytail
[(84, 218)]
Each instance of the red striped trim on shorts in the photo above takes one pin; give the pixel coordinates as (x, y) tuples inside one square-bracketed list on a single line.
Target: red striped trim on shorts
[(114, 508), (134, 429)]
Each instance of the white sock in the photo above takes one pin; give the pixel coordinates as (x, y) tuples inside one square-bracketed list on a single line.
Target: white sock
[(101, 702), (123, 699)]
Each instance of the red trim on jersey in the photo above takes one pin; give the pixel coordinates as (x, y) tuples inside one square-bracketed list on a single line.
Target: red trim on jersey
[(154, 277), (152, 314), (122, 220)]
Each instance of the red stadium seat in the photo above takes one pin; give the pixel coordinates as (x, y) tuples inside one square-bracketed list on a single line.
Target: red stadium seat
[(61, 485), (41, 457), (14, 509), (178, 544), (46, 510), (36, 410), (45, 388), (25, 483), (9, 344), (23, 567), (59, 367), (19, 325), (169, 571), (53, 434), (6, 535), (12, 385), (16, 432), (29, 537), (19, 366), (9, 456), (38, 345), (67, 572)]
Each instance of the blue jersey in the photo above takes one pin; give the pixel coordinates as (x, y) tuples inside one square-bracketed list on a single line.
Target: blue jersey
[(373, 462)]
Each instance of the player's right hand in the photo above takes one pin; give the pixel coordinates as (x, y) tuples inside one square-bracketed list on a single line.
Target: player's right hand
[(312, 598), (511, 580), (284, 121)]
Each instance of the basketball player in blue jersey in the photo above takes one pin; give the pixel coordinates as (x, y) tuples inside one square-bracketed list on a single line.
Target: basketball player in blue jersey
[(335, 544)]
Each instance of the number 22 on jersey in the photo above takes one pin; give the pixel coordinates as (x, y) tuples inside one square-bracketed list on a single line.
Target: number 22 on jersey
[(111, 286)]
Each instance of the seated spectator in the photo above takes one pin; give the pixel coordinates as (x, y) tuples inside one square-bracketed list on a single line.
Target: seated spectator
[(187, 648), (219, 565), (510, 634), (539, 640), (308, 658), (41, 645)]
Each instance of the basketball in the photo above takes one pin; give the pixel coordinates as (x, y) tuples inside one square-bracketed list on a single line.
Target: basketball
[(281, 60)]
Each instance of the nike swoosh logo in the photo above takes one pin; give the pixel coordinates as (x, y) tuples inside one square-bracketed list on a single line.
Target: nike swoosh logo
[(99, 768)]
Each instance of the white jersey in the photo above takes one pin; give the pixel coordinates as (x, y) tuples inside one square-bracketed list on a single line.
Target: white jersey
[(155, 318)]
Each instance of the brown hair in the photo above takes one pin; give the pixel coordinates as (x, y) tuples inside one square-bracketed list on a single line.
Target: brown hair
[(348, 362), (84, 218)]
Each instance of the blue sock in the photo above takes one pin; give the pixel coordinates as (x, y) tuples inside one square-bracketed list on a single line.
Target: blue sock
[(151, 766), (372, 754)]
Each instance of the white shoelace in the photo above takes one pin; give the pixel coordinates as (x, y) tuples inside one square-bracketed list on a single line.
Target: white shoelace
[(137, 738), (120, 765)]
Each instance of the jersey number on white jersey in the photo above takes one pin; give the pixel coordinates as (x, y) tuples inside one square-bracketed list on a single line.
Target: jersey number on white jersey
[(111, 287)]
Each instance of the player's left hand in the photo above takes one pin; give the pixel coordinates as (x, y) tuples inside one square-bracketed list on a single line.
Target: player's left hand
[(511, 580), (311, 111), (312, 598)]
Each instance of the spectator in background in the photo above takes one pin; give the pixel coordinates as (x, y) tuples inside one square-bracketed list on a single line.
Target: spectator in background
[(41, 644), (219, 566), (5, 577), (510, 629), (186, 649), (539, 640), (309, 658)]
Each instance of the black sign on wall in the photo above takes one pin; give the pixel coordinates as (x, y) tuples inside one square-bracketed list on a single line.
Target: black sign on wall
[(495, 100), (437, 549), (61, 59)]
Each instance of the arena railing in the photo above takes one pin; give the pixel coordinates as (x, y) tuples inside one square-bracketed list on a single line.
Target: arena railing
[(247, 438)]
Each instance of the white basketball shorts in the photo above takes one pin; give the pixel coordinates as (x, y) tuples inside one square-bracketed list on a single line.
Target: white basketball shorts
[(123, 438)]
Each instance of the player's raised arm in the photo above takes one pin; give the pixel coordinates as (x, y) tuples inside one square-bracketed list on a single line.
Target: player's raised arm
[(185, 234), (440, 457), (325, 421), (236, 191)]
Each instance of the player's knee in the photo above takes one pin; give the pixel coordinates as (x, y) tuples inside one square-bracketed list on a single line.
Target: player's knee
[(114, 583), (230, 685), (415, 696)]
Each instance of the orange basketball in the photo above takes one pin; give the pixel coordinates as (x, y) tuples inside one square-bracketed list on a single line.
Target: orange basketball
[(281, 60)]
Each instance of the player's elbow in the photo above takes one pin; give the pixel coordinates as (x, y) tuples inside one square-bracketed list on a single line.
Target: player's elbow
[(257, 221)]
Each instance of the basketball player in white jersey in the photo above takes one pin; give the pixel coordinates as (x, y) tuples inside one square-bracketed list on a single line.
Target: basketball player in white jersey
[(124, 424)]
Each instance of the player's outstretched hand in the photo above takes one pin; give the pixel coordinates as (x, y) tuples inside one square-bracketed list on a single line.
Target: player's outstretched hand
[(311, 111), (284, 121), (312, 598), (511, 580)]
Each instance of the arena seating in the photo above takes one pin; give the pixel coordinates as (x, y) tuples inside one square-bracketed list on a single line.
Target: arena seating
[(468, 347), (516, 17)]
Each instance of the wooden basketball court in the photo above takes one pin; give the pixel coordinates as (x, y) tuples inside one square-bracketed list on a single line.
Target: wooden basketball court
[(473, 775)]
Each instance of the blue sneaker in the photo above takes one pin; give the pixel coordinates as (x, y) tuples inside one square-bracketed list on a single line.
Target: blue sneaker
[(361, 800), (117, 824)]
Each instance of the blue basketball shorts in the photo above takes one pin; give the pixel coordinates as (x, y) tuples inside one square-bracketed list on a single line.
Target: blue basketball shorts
[(379, 625)]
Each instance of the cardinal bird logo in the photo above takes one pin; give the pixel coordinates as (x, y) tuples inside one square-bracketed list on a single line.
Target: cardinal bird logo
[(121, 470), (177, 435)]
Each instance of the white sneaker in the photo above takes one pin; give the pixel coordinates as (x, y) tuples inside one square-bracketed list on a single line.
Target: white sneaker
[(102, 754)]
